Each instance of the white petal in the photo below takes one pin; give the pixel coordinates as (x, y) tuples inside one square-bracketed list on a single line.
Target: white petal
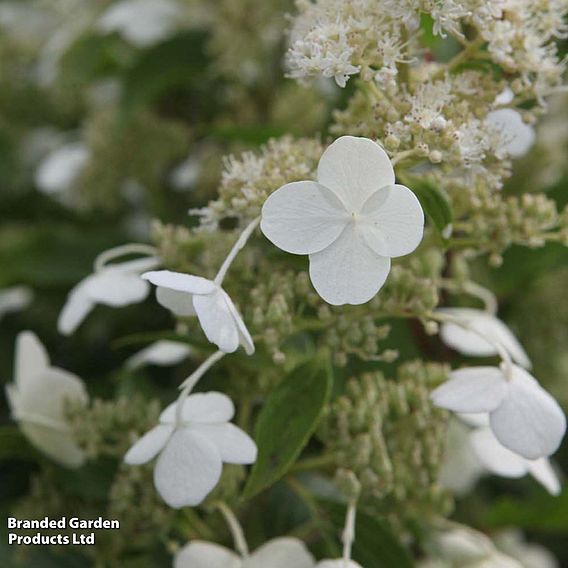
[(136, 266), (463, 545), (150, 445), (187, 470), (303, 217), (217, 320), (180, 282), (393, 221), (474, 389), (245, 338), (337, 564), (474, 419), (496, 457), (203, 407), (544, 473), (281, 553), (76, 309), (59, 445), (517, 136), (199, 554), (31, 359), (116, 288), (354, 168), (60, 169), (529, 421), (14, 299), (163, 353), (348, 271), (473, 343), (180, 303), (234, 445)]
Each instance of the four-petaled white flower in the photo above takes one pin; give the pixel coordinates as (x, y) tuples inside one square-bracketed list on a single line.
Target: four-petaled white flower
[(522, 415), (188, 295), (141, 22), (115, 285), (278, 553), (350, 222), (478, 333), (38, 399), (192, 448), (162, 353)]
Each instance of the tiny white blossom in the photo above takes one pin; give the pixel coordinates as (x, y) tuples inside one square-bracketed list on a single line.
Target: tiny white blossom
[(141, 22), (522, 415), (350, 222), (192, 449), (14, 299), (278, 553), (162, 353), (115, 285), (478, 334), (187, 295), (37, 400), (59, 169)]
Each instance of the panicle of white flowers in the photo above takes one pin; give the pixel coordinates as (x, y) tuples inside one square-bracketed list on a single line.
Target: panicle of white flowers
[(392, 438)]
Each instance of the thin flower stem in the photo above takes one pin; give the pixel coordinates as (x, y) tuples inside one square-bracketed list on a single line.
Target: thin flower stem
[(502, 352), (189, 383), (132, 248), (235, 528), (348, 536), (237, 247)]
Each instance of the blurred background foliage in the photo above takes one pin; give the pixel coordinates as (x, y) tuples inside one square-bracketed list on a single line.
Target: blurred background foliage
[(147, 123)]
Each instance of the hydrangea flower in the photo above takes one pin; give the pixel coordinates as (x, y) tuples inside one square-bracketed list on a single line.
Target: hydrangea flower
[(14, 299), (162, 353), (192, 447), (188, 295), (141, 22), (37, 400), (115, 285), (481, 325), (277, 553), (522, 415), (350, 222)]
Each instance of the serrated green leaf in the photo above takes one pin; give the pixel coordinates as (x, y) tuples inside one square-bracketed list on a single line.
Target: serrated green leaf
[(287, 421), (435, 202), (375, 544)]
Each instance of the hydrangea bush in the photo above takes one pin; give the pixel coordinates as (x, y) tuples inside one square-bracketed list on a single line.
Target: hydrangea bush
[(167, 167)]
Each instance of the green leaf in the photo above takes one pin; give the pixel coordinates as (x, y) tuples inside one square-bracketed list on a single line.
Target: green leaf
[(287, 421), (169, 65), (435, 203), (375, 544)]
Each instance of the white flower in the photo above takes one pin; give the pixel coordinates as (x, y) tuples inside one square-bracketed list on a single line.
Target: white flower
[(37, 399), (338, 563), (115, 285), (188, 295), (162, 353), (350, 222), (141, 22), (59, 170), (530, 555), (277, 553), (522, 415), (516, 137), (191, 453), (482, 324), (14, 299)]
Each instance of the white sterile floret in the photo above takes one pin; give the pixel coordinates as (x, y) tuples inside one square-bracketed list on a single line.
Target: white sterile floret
[(14, 299), (59, 169), (278, 553), (516, 137), (141, 22), (115, 285), (192, 450), (350, 222), (38, 398), (162, 353), (471, 328), (522, 415), (187, 295)]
